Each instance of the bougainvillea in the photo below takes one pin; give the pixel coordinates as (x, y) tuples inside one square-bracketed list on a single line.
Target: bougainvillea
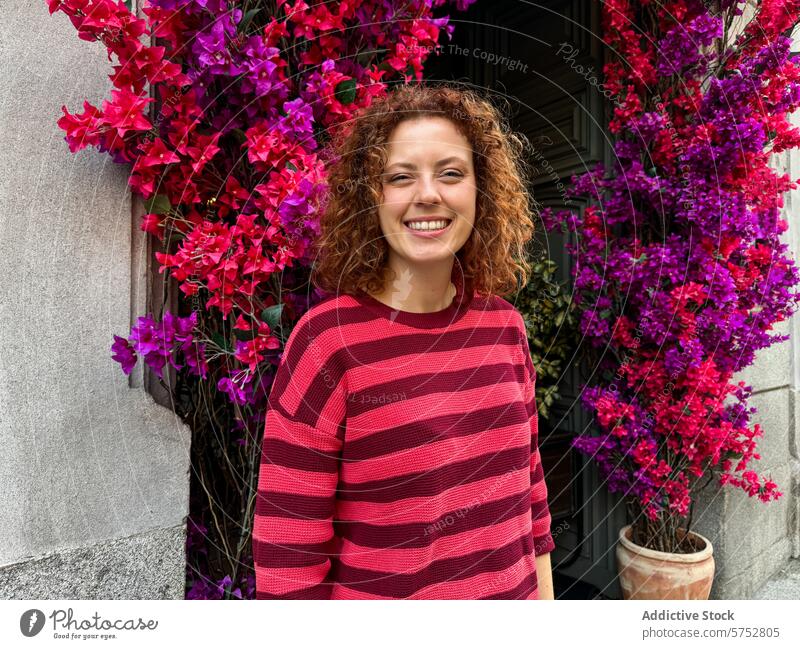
[(221, 108), (680, 271)]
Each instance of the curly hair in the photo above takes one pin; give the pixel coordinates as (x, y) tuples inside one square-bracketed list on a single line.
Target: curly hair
[(351, 252)]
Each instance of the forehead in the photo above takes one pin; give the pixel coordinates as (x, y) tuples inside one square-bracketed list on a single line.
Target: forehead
[(425, 137)]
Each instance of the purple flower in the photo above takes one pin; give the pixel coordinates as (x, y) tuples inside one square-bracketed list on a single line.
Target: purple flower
[(159, 342), (299, 120), (679, 51), (235, 393), (146, 337), (195, 355), (123, 354)]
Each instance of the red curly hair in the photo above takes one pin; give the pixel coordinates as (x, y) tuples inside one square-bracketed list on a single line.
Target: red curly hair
[(351, 252)]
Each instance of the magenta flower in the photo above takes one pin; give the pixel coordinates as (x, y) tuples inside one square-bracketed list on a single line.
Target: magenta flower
[(123, 354), (159, 343)]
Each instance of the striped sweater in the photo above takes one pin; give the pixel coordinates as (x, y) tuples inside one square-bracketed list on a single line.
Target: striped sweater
[(400, 457)]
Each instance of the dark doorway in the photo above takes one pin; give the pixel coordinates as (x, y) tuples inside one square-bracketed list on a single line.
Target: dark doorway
[(546, 58)]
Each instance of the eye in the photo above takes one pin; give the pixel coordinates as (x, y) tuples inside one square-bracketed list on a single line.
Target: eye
[(451, 173)]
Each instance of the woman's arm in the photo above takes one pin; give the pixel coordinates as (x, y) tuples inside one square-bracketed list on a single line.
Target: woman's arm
[(544, 575), (293, 536), (543, 543)]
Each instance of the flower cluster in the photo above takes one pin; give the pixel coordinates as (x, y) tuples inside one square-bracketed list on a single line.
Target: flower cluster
[(680, 268), (159, 343), (227, 147)]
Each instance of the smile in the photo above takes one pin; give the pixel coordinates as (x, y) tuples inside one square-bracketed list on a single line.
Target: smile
[(428, 228)]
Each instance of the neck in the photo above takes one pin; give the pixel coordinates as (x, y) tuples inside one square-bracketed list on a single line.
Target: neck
[(419, 291)]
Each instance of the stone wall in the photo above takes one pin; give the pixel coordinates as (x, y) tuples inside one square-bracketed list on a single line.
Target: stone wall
[(94, 484)]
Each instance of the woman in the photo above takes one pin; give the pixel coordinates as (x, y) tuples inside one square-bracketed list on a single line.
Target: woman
[(400, 452)]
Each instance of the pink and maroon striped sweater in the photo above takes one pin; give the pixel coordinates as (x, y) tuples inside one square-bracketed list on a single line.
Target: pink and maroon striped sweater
[(400, 457)]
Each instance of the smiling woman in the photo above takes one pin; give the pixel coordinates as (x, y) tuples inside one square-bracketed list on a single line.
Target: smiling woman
[(400, 456), (427, 211), (421, 152)]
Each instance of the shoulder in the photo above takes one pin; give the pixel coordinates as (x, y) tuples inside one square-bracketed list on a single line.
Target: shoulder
[(507, 312), (315, 347), (516, 320), (320, 323), (339, 308), (503, 304)]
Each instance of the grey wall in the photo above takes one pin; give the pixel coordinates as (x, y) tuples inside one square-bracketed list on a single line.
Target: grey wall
[(94, 478)]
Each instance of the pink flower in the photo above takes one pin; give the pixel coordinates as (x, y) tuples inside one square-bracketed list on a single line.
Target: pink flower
[(126, 112), (123, 354), (83, 129)]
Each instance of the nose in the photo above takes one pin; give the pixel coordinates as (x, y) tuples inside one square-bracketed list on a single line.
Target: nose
[(426, 190)]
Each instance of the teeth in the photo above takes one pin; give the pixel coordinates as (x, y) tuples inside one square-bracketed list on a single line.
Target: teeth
[(428, 225)]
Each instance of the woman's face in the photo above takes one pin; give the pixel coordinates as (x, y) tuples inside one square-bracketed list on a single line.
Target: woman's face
[(428, 177)]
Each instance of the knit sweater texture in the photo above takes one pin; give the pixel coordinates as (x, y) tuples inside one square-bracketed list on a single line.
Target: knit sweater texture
[(400, 456)]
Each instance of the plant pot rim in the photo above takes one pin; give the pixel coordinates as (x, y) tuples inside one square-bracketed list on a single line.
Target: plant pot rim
[(694, 557)]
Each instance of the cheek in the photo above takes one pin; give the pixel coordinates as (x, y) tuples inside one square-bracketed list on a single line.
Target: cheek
[(465, 196), (467, 226), (389, 201), (397, 192)]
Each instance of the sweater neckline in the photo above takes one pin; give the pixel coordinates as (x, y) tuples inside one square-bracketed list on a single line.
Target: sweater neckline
[(422, 320)]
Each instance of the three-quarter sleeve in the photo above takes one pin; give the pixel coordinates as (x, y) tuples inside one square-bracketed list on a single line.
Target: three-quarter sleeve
[(293, 534), (540, 511)]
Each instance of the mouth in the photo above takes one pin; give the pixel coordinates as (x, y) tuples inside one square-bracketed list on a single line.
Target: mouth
[(429, 225)]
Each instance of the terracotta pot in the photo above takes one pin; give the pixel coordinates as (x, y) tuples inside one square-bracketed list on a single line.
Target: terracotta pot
[(649, 574)]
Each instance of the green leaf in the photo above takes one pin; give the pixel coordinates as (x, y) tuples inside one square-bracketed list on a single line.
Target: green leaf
[(244, 23), (272, 316), (129, 5), (363, 58), (605, 314), (240, 135), (345, 91), (157, 205), (221, 342), (245, 334), (291, 166)]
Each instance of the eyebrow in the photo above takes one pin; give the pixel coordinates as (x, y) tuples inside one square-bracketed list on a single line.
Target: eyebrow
[(409, 165)]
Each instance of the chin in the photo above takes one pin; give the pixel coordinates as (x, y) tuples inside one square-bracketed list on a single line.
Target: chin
[(426, 259)]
